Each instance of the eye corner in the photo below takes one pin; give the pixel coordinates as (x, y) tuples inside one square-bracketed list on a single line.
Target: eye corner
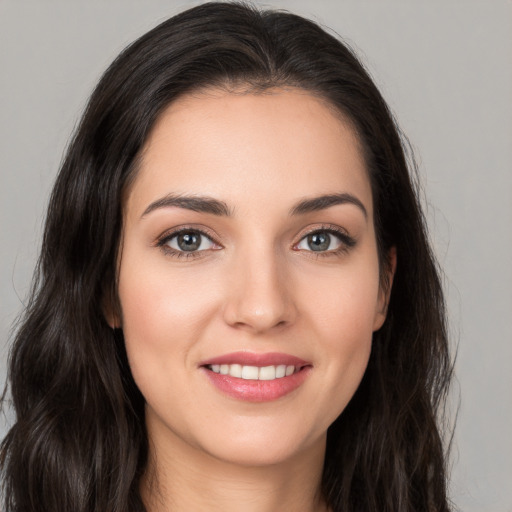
[(344, 241), (204, 242)]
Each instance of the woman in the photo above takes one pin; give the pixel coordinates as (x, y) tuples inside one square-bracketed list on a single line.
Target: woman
[(236, 305)]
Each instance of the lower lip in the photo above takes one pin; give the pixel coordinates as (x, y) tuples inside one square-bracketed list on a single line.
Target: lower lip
[(257, 390)]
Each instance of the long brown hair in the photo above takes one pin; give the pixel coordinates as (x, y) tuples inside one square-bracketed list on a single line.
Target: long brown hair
[(79, 441)]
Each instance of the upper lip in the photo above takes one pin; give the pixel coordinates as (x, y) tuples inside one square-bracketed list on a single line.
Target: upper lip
[(255, 359)]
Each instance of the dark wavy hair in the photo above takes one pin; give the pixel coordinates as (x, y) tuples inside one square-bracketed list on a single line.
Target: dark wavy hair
[(79, 441)]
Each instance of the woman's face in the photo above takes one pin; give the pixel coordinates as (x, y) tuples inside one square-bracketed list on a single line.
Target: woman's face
[(249, 276)]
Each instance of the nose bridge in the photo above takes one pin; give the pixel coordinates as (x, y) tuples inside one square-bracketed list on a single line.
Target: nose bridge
[(259, 296)]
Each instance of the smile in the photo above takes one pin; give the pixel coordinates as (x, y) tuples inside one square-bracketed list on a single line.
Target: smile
[(254, 372), (251, 377)]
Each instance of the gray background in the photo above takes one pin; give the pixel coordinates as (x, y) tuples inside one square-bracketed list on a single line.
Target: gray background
[(445, 69)]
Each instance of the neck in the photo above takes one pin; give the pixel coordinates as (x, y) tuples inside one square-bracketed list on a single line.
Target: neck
[(188, 480)]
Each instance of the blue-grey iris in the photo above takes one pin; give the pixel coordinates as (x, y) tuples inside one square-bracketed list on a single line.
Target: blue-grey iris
[(189, 241), (319, 241)]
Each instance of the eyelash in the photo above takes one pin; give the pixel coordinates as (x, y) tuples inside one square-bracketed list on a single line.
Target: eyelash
[(347, 242), (167, 237)]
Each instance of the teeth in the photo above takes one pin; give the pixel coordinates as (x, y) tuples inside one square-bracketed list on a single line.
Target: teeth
[(250, 372), (267, 373), (254, 372), (236, 370), (280, 371)]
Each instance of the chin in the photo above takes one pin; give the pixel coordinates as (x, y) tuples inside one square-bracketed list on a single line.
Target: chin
[(258, 448)]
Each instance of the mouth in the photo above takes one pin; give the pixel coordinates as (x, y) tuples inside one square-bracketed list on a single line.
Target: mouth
[(256, 377), (255, 372)]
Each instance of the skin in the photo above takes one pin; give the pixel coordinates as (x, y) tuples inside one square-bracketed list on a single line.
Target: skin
[(256, 286)]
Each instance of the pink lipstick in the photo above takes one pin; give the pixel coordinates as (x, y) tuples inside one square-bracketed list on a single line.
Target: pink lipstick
[(256, 377)]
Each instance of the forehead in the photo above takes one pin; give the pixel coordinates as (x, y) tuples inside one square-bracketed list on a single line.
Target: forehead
[(273, 147)]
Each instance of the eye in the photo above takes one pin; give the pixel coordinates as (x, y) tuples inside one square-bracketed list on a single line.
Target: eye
[(187, 241), (325, 240)]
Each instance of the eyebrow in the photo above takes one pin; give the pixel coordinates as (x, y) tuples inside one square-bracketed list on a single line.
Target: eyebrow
[(326, 201), (202, 204), (213, 206)]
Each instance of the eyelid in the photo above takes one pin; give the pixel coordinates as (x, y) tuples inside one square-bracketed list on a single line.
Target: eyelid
[(345, 238), (167, 235), (347, 241)]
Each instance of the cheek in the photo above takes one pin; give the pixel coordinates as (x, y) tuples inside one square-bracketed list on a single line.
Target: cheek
[(344, 303), (157, 300), (342, 311), (346, 329), (162, 316)]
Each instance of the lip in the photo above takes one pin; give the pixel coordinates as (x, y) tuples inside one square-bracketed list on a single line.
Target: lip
[(257, 390), (254, 359)]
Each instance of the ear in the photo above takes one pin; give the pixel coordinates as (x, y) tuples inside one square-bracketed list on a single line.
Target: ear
[(386, 282)]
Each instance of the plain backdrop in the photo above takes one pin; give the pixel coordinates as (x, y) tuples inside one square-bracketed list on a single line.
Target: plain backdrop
[(445, 68)]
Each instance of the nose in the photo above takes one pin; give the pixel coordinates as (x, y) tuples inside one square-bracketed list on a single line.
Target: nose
[(260, 294)]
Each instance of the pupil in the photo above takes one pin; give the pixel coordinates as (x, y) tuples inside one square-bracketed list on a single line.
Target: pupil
[(319, 241), (189, 241)]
